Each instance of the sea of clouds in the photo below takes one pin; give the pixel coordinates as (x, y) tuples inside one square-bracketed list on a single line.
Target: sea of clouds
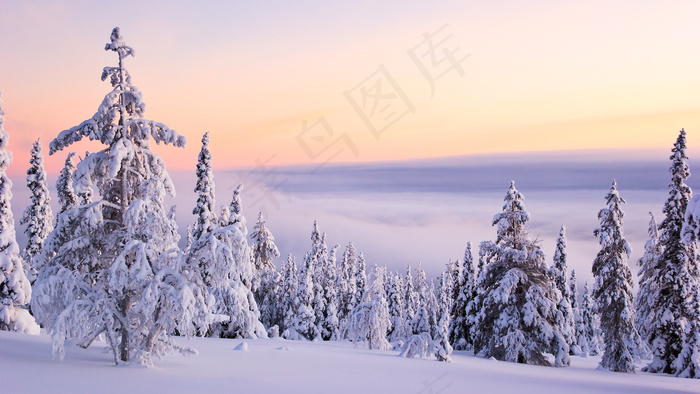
[(402, 213)]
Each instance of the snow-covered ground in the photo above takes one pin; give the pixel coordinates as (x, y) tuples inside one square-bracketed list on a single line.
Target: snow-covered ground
[(280, 366)]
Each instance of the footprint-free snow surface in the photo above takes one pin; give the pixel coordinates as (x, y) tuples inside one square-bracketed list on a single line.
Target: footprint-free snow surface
[(26, 366)]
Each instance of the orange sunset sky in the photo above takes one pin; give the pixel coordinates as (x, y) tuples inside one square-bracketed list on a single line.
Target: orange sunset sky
[(309, 81)]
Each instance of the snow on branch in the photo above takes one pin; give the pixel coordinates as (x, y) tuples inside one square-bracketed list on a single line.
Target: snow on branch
[(117, 44)]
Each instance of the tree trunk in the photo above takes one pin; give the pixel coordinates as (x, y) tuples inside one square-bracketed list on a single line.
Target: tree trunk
[(155, 332), (124, 345)]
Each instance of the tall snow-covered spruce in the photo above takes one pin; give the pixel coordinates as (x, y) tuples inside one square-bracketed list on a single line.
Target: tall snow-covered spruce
[(687, 364), (346, 284), (588, 331), (220, 258), (464, 292), (517, 318), (400, 329), (266, 284), (288, 300), (204, 209), (330, 326), (114, 267), (665, 283), (645, 295), (558, 271), (37, 216), (304, 321), (15, 290), (421, 320), (614, 299)]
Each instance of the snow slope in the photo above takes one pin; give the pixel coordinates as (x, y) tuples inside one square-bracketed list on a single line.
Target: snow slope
[(276, 366)]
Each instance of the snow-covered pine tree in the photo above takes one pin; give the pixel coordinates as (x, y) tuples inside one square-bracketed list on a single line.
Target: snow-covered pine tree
[(268, 299), (687, 364), (444, 295), (400, 330), (266, 280), (573, 291), (37, 216), (188, 239), (589, 335), (115, 267), (235, 211), (264, 248), (484, 255), (370, 320), (665, 320), (441, 342), (432, 307), (647, 283), (421, 321), (449, 282), (346, 284), (73, 237), (460, 336), (412, 301), (614, 300), (387, 287), (516, 318), (219, 250), (457, 273), (319, 252), (288, 301), (420, 283), (330, 327), (15, 290), (360, 274), (233, 216), (458, 282), (578, 327), (304, 323), (558, 271), (581, 340), (224, 260), (67, 199), (204, 209)]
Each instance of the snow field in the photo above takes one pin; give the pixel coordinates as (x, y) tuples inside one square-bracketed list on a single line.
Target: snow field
[(26, 366)]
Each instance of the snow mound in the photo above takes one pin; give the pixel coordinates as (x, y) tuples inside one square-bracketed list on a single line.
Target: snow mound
[(25, 323), (243, 346), (284, 348)]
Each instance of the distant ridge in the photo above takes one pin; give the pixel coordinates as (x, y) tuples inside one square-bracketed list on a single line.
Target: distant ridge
[(551, 170)]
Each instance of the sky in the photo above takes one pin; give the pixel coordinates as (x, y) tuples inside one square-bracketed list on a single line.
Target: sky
[(314, 84), (356, 81)]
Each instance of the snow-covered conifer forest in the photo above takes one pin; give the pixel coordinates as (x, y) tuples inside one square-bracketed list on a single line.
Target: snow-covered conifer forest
[(107, 280)]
